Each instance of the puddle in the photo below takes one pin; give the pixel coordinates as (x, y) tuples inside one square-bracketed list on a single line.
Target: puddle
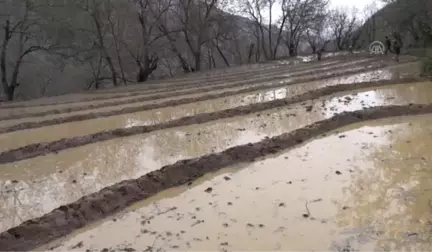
[(103, 109), (50, 133), (224, 87), (46, 182), (366, 188)]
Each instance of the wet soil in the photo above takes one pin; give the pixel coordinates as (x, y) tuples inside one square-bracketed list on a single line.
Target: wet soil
[(150, 117), (88, 169), (82, 117), (254, 80), (40, 148), (374, 196), (164, 86), (8, 123), (65, 219)]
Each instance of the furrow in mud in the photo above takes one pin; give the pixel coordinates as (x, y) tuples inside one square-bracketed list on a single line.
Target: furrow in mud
[(40, 149), (192, 83), (88, 209), (82, 117), (223, 79), (146, 98)]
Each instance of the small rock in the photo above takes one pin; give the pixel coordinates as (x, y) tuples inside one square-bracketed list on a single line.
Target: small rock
[(342, 136), (229, 203), (305, 215), (345, 208), (224, 244), (281, 204), (250, 225), (74, 181), (289, 182), (227, 178), (129, 250), (208, 190), (14, 181), (225, 225), (338, 173), (261, 225), (309, 108)]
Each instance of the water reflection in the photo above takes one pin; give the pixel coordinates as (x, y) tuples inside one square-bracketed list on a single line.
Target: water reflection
[(364, 188), (223, 83), (108, 162), (391, 198)]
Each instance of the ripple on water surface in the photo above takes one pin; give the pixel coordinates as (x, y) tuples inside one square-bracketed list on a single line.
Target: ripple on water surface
[(364, 187)]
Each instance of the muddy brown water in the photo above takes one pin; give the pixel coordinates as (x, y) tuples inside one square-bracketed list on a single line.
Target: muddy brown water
[(46, 182), (163, 86), (366, 187), (50, 133), (101, 105), (149, 117)]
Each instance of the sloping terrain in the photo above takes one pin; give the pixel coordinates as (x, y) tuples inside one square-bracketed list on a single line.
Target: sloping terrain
[(206, 141)]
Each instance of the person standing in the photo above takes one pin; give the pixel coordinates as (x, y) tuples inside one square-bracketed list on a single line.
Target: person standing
[(397, 48), (387, 44)]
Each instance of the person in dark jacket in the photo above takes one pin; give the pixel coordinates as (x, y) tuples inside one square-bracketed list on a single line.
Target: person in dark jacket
[(397, 48), (387, 44)]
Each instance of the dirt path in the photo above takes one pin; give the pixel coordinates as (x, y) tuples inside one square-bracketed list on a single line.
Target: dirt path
[(38, 149), (66, 219), (82, 117), (11, 114)]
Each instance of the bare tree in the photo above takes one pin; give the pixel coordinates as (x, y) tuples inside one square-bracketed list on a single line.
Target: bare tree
[(23, 35), (317, 34), (254, 10), (344, 25), (197, 20), (298, 15), (149, 16)]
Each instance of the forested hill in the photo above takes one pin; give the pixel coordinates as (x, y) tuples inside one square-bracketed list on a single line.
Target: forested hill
[(412, 19), (54, 47), (51, 47)]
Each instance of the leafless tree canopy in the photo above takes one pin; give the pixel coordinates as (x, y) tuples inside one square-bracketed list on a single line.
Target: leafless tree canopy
[(58, 46)]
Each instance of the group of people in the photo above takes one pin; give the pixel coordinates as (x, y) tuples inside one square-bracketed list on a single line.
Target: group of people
[(394, 47)]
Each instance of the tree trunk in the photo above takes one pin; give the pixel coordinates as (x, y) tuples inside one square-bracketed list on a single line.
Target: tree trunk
[(250, 53), (10, 93), (291, 49), (222, 55), (3, 60), (197, 57), (104, 50)]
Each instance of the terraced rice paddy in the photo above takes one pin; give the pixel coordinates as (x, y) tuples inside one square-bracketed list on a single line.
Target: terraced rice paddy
[(312, 156)]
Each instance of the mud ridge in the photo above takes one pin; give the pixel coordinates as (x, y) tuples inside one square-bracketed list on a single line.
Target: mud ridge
[(40, 149), (269, 77), (233, 77), (161, 86), (127, 110), (93, 207)]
